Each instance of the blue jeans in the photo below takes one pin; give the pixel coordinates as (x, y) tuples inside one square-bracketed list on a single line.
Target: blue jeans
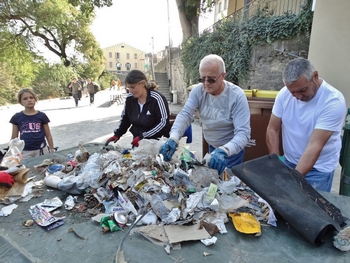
[(233, 159), (319, 180)]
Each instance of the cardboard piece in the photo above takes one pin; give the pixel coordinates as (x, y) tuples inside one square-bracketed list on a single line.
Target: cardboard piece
[(162, 235), (20, 177)]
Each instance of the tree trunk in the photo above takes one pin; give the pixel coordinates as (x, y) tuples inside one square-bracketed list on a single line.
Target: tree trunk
[(189, 24)]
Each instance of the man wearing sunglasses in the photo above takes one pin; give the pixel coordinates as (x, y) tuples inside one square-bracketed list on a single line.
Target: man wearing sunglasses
[(224, 113)]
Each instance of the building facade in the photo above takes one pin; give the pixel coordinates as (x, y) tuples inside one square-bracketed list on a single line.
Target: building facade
[(121, 58), (244, 9)]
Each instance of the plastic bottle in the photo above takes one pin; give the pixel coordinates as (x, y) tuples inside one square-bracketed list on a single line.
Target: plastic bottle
[(158, 207), (12, 158), (183, 179)]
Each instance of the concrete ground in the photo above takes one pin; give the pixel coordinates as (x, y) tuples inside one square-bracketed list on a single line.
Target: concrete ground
[(69, 124)]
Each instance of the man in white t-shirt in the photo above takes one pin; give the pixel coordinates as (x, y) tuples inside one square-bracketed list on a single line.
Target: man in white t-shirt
[(310, 114)]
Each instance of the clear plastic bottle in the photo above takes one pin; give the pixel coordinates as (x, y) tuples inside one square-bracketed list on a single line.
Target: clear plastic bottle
[(158, 207), (12, 158), (182, 178)]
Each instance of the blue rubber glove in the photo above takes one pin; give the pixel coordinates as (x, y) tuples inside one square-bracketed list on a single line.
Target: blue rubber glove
[(168, 149), (217, 160)]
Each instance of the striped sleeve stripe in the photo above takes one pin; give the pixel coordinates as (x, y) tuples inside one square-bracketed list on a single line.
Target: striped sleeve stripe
[(163, 112)]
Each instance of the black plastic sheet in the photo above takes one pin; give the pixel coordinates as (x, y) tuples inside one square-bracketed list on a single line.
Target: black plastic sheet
[(291, 196)]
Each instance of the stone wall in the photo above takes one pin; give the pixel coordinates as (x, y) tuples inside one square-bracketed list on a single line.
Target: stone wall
[(268, 61), (178, 80)]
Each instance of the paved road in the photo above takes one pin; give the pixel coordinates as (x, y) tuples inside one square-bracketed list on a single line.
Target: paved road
[(70, 124)]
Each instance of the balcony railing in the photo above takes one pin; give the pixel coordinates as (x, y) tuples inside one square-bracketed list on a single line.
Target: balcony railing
[(270, 7)]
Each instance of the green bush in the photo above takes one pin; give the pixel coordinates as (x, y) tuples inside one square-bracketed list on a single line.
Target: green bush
[(233, 40)]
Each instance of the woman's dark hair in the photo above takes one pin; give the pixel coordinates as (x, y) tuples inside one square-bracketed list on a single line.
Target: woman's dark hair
[(135, 76)]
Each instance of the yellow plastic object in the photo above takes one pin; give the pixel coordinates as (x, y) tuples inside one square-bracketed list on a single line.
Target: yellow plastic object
[(255, 93), (270, 94), (248, 93), (246, 223)]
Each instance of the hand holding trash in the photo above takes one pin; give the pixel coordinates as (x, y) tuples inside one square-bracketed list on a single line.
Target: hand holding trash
[(6, 179), (217, 160), (114, 139), (135, 141), (168, 149)]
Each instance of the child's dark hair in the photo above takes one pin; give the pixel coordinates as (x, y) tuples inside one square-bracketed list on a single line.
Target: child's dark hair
[(19, 95)]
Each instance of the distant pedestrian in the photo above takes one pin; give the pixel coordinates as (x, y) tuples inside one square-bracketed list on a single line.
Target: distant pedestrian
[(113, 83), (153, 85), (32, 126), (75, 87), (119, 83), (91, 89), (83, 83)]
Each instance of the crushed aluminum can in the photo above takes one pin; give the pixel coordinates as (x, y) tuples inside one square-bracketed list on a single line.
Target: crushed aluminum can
[(70, 165), (121, 219)]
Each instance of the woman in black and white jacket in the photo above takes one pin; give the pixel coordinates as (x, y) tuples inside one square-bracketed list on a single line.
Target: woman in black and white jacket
[(146, 111)]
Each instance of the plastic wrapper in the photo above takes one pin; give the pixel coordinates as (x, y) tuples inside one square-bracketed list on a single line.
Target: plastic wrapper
[(203, 176), (173, 216), (113, 168), (51, 204), (146, 148), (272, 218), (159, 208), (126, 204), (7, 210), (72, 185), (44, 218), (191, 202), (82, 155), (108, 224), (102, 194), (69, 203), (182, 178), (13, 156), (228, 203), (149, 147), (149, 219), (209, 196), (91, 172), (230, 186), (209, 241)]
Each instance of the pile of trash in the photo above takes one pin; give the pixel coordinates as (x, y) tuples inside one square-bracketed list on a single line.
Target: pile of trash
[(123, 188)]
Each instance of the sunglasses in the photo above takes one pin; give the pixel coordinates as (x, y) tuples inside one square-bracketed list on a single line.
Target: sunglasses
[(210, 80)]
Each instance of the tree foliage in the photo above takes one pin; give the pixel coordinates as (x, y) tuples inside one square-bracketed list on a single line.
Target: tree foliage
[(51, 80), (234, 40), (17, 68), (87, 6), (57, 25)]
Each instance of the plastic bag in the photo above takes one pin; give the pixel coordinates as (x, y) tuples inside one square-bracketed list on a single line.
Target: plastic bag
[(91, 172), (13, 156)]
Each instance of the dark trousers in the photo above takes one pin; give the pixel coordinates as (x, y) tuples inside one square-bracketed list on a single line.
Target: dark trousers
[(92, 97), (76, 98)]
